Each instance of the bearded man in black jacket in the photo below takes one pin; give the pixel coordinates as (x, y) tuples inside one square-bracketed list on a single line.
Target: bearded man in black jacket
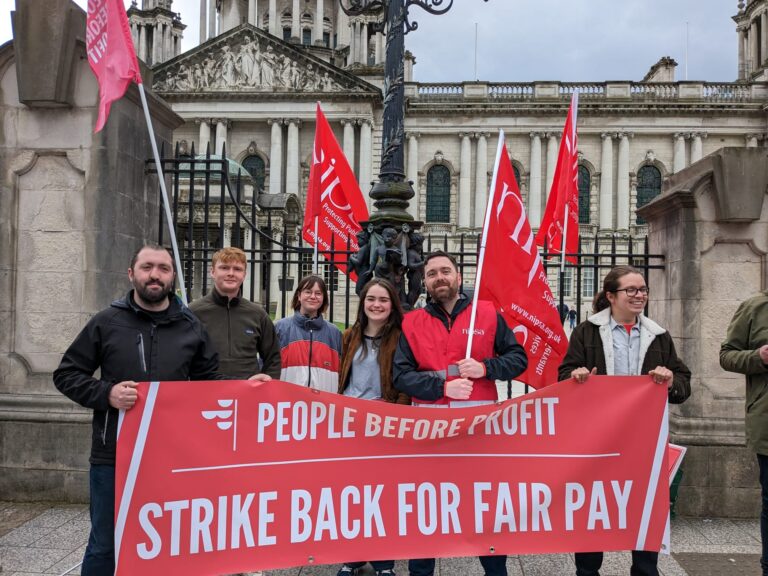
[(147, 336)]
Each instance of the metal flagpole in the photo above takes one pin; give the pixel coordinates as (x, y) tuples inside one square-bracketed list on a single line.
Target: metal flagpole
[(481, 255), (575, 108), (166, 205)]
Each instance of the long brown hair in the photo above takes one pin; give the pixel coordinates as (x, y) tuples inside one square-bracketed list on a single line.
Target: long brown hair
[(392, 326), (611, 284)]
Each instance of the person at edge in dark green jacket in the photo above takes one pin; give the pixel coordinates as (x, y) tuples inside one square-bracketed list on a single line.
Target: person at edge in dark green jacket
[(745, 351), (241, 331)]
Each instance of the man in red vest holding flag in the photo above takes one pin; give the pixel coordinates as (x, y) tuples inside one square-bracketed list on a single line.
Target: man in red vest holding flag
[(431, 364)]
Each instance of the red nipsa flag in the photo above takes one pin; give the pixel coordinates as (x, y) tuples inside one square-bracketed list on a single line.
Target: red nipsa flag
[(110, 53), (564, 193), (516, 283), (334, 196)]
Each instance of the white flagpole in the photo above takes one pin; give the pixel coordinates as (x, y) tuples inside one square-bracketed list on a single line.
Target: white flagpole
[(575, 108), (481, 254), (314, 261), (166, 205)]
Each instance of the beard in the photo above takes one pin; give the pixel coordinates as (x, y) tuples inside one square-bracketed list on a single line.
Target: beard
[(446, 295), (153, 296)]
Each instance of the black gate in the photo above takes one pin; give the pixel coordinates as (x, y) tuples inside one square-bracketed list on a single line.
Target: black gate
[(215, 203)]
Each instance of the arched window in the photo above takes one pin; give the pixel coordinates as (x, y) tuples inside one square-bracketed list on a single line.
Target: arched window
[(438, 194), (517, 175), (306, 36), (648, 187), (255, 166), (585, 181)]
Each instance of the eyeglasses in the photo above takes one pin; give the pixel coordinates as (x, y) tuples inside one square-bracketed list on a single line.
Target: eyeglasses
[(632, 291)]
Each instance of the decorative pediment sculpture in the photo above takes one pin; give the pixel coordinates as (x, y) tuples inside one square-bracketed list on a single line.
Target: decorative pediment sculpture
[(248, 60)]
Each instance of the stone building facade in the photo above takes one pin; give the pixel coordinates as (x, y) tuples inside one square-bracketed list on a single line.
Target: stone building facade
[(253, 83)]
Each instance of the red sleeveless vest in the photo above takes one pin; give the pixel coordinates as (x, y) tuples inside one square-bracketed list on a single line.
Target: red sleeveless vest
[(434, 347)]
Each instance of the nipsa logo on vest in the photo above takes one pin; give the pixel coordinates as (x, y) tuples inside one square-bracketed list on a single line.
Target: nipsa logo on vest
[(477, 331)]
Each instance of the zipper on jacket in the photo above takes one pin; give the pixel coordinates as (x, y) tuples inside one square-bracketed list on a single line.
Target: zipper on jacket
[(104, 431), (142, 358), (309, 365), (153, 343)]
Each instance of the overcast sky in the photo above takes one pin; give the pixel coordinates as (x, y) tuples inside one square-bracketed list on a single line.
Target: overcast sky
[(570, 40)]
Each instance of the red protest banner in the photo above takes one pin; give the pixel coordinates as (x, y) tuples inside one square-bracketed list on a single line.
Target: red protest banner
[(222, 477)]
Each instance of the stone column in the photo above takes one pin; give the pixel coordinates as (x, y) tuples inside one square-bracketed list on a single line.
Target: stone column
[(751, 140), (221, 134), (292, 159), (696, 146), (481, 179), (203, 21), (364, 43), (764, 39), (678, 156), (276, 155), (606, 183), (296, 22), (742, 54), (551, 159), (465, 181), (342, 29), (253, 12), (413, 172), (211, 18), (143, 42), (273, 17), (754, 38), (319, 13), (349, 141), (534, 182), (379, 38), (622, 183), (168, 44), (205, 135), (353, 42), (366, 150)]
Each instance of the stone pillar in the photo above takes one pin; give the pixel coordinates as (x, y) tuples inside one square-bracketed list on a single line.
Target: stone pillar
[(273, 17), (352, 42), (465, 181), (143, 42), (221, 134), (296, 22), (276, 156), (764, 39), (622, 183), (413, 172), (253, 13), (710, 224), (168, 44), (364, 43), (379, 39), (211, 19), (319, 13), (606, 183), (754, 39), (696, 146), (292, 159), (366, 159), (481, 179), (534, 182), (551, 160), (742, 54), (678, 155), (342, 29), (349, 142), (751, 140), (205, 135)]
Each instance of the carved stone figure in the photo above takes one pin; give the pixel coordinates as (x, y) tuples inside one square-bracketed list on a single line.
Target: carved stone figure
[(361, 262), (415, 265)]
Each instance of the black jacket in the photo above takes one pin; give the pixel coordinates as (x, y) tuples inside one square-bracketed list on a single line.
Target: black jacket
[(510, 360), (127, 343)]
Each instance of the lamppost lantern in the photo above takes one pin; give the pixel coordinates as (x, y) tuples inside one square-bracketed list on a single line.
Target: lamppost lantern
[(396, 257)]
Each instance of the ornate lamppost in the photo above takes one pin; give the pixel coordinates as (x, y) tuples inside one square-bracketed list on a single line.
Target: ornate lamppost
[(390, 244)]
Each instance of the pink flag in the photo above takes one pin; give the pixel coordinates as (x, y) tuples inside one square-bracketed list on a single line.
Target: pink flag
[(333, 196), (110, 53), (563, 202), (516, 282)]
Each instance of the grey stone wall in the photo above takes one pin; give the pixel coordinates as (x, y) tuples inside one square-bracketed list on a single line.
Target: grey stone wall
[(73, 207), (711, 222)]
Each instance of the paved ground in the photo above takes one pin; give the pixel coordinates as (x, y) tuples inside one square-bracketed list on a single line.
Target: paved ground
[(38, 539)]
